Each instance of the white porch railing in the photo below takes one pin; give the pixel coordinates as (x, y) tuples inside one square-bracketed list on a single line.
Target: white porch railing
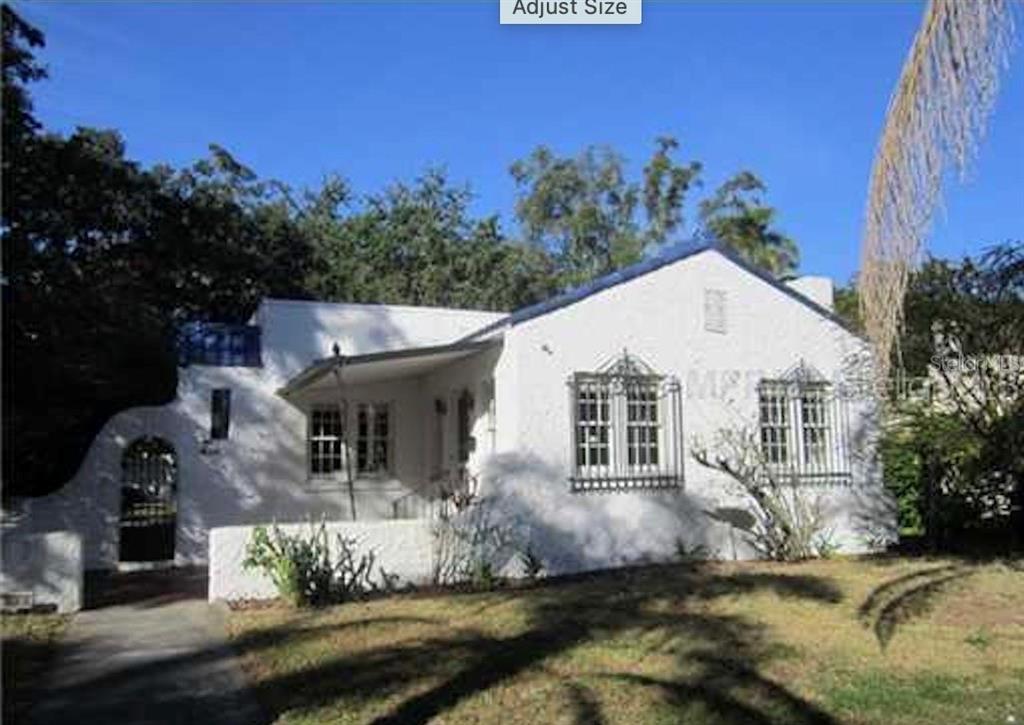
[(440, 497)]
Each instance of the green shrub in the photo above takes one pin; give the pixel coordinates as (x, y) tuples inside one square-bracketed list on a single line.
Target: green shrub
[(303, 571)]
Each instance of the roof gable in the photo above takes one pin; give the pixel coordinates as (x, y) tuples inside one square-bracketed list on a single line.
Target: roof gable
[(675, 254)]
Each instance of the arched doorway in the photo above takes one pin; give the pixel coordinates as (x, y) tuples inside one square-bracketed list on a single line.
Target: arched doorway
[(149, 482)]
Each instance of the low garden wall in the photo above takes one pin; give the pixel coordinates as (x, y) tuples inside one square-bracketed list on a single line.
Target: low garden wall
[(46, 566), (403, 549)]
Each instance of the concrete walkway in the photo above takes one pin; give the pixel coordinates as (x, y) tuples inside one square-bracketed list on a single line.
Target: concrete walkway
[(163, 659)]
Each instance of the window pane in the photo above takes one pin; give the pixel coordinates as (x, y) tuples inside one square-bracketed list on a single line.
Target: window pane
[(325, 441)]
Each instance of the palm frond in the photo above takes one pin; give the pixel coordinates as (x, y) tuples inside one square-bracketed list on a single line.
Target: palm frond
[(935, 120)]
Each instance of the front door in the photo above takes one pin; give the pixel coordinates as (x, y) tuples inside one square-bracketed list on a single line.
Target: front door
[(149, 482)]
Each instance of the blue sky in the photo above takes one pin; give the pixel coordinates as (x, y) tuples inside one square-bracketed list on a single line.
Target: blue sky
[(378, 92)]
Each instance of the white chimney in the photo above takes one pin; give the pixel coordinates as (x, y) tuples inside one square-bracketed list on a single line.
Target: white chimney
[(817, 289)]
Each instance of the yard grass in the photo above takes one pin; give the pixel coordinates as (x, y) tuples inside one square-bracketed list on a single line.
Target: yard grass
[(860, 641), (27, 646)]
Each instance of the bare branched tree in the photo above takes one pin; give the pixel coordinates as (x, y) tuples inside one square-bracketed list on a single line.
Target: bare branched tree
[(934, 122), (790, 522)]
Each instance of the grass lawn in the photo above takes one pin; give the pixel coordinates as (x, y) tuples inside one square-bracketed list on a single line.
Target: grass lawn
[(861, 641), (27, 644)]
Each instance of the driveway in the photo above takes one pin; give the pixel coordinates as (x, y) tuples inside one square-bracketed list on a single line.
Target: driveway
[(150, 650)]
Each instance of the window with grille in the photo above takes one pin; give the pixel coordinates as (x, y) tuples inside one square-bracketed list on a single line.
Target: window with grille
[(814, 425), (373, 438), (326, 441), (593, 426), (220, 413), (774, 423), (627, 428), (642, 425), (804, 427)]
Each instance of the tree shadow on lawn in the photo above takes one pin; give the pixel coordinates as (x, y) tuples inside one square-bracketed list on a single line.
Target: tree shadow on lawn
[(903, 598), (641, 611)]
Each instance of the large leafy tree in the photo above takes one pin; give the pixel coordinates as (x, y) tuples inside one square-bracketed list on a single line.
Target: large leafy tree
[(738, 217), (584, 211), (581, 209), (102, 259), (418, 244), (592, 219)]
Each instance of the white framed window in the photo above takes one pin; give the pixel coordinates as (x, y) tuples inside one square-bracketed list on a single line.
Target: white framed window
[(374, 438), (626, 428), (774, 422), (643, 431), (815, 425), (593, 426), (326, 441), (804, 427)]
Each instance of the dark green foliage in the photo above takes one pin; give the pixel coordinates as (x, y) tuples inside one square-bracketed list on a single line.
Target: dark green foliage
[(580, 209), (955, 461), (665, 185), (739, 219), (104, 259), (584, 212), (847, 305), (418, 245), (19, 68)]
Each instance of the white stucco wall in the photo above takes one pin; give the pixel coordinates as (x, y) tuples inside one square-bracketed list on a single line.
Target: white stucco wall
[(523, 434), (296, 333), (659, 317), (260, 473), (818, 289), (48, 565), (402, 548)]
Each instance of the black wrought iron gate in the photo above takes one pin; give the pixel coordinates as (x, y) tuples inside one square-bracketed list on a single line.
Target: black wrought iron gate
[(148, 500)]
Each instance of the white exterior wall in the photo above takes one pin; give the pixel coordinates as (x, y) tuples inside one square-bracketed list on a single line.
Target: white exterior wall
[(260, 473), (659, 317), (401, 548), (297, 333), (818, 289), (47, 565), (477, 375), (523, 451)]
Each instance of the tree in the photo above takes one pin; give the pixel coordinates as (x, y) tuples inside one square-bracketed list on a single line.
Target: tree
[(580, 209), (417, 244), (102, 260), (787, 518), (19, 68), (935, 120), (960, 455), (665, 186), (739, 219), (583, 210)]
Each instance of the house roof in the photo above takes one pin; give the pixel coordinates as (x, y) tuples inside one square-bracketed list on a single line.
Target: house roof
[(385, 365), (671, 255), (398, 363)]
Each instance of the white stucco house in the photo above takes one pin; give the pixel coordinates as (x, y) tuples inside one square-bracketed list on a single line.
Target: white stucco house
[(577, 415)]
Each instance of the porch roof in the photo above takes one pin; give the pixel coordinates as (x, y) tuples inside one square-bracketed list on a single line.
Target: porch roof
[(386, 365)]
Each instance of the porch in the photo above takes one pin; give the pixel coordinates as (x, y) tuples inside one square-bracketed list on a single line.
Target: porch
[(403, 431)]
